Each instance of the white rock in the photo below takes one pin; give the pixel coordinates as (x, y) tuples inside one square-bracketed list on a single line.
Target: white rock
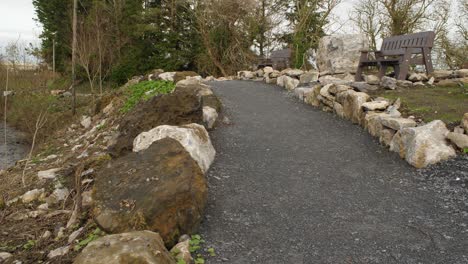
[(281, 80), (4, 256), (371, 79), (308, 77), (47, 234), (462, 73), (87, 199), (31, 195), (460, 140), (302, 92), (442, 74), (290, 83), (193, 137), (459, 130), (58, 252), (328, 79), (388, 83), (418, 77), (424, 145), (182, 251), (75, 235), (43, 207), (375, 105), (340, 53), (86, 121), (268, 70), (48, 174), (209, 116), (167, 76), (293, 72), (398, 123)]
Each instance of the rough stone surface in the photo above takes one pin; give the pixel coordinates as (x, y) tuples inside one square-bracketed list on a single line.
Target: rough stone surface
[(424, 145), (308, 77), (373, 123), (388, 83), (442, 74), (404, 84), (293, 72), (59, 252), (181, 107), (464, 122), (48, 174), (143, 247), (167, 76), (418, 77), (338, 108), (184, 75), (372, 79), (352, 105), (210, 116), (340, 53), (462, 73), (86, 122), (338, 88), (329, 79), (460, 140), (182, 251), (290, 83), (386, 136), (193, 137), (302, 92), (281, 80), (311, 98), (160, 189), (363, 86), (267, 70), (397, 123), (375, 105), (31, 196)]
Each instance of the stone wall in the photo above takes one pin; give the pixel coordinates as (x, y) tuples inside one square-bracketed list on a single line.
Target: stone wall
[(418, 143)]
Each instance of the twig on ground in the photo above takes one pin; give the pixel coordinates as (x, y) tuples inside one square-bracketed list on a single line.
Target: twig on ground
[(78, 198)]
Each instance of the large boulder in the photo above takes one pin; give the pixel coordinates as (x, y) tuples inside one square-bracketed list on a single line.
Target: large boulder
[(161, 189), (290, 83), (424, 145), (352, 105), (193, 137), (308, 77), (181, 107), (340, 53), (143, 247)]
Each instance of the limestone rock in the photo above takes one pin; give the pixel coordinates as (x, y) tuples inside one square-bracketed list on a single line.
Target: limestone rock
[(464, 122), (182, 251), (293, 72), (302, 92), (328, 79), (86, 121), (290, 83), (375, 105), (31, 195), (373, 123), (209, 116), (462, 73), (311, 98), (460, 140), (388, 83), (340, 53), (418, 77), (267, 70), (363, 86), (404, 84), (193, 137), (282, 80), (442, 74), (135, 247), (161, 189), (59, 252), (372, 79), (398, 123), (275, 74), (386, 136), (167, 76), (324, 92), (4, 256), (424, 145), (186, 75), (259, 73), (457, 129), (335, 89), (308, 77), (352, 105), (271, 80), (338, 108)]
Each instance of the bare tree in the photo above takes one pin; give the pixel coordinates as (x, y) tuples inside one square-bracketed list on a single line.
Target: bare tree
[(367, 15), (405, 16)]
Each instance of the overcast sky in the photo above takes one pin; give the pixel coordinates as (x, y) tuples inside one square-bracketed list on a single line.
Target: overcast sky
[(17, 20)]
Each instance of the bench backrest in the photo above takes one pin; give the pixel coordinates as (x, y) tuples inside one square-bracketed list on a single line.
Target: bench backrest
[(393, 46)]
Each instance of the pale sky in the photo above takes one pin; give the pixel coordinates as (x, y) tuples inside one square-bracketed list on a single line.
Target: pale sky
[(17, 20)]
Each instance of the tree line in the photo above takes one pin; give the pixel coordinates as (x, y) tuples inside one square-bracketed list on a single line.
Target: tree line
[(117, 39)]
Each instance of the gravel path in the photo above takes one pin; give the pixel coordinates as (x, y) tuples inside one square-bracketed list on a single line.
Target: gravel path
[(292, 184)]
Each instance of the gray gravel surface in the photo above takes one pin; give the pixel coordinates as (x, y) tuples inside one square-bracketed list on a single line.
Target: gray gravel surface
[(292, 184)]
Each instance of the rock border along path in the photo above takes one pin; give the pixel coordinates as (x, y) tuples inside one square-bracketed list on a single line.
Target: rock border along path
[(293, 184)]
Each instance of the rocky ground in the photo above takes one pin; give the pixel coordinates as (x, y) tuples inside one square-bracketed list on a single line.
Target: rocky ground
[(39, 219)]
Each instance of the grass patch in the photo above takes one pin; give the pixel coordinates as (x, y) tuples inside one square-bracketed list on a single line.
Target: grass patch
[(144, 91), (431, 103)]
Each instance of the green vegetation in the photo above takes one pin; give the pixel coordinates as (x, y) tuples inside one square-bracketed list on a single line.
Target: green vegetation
[(30, 244), (144, 91), (431, 103), (90, 238)]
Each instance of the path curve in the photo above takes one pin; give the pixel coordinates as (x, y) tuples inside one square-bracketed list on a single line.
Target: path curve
[(292, 184)]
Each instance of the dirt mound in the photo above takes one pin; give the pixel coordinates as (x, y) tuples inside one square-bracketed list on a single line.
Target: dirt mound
[(181, 107)]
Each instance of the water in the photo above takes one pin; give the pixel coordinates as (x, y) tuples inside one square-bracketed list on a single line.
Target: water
[(16, 148)]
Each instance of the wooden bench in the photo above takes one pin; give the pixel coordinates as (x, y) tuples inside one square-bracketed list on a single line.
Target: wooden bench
[(397, 52)]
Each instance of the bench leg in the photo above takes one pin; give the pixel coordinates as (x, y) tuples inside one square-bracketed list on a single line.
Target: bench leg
[(396, 69), (382, 71), (358, 76), (404, 65), (427, 60)]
